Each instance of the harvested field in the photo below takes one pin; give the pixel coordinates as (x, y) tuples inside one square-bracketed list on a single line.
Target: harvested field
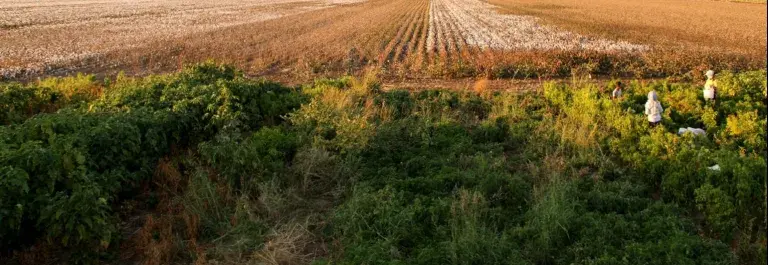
[(715, 26), (342, 38), (40, 34), (298, 40), (475, 23)]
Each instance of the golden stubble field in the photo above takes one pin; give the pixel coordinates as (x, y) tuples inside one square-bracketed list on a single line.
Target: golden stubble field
[(304, 39), (715, 26)]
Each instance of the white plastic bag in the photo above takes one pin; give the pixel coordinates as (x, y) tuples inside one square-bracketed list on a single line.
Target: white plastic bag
[(694, 131)]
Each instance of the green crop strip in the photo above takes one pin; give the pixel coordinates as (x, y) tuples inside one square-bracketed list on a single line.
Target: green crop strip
[(266, 173)]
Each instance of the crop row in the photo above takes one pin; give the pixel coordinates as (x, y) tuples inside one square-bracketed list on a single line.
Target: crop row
[(461, 31), (38, 35), (480, 25)]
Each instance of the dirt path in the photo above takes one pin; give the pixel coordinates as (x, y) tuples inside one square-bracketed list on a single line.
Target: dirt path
[(464, 84), (480, 84)]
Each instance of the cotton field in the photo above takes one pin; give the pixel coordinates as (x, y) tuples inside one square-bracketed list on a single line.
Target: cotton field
[(413, 37), (477, 24), (41, 34)]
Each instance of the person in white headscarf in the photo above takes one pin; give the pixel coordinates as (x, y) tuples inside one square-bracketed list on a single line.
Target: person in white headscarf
[(653, 109), (710, 87)]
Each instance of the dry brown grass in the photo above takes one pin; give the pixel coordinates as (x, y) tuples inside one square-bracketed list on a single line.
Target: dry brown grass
[(699, 25), (177, 230), (286, 244)]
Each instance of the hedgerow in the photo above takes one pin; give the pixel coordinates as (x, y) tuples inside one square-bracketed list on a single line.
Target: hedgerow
[(341, 172), (64, 171)]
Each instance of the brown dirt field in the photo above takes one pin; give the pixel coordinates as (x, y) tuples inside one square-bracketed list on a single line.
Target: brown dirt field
[(701, 25)]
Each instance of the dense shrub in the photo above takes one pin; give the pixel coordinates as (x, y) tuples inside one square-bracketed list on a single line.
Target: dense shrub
[(20, 102), (713, 174), (254, 159), (64, 171), (438, 191)]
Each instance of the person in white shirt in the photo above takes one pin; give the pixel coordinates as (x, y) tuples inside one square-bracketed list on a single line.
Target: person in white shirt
[(617, 91), (710, 87), (653, 109)]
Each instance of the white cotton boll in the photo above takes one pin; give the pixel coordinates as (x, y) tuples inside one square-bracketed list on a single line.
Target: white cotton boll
[(480, 25)]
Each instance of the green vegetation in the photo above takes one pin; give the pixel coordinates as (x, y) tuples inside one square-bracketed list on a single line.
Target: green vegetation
[(226, 169), (61, 172), (22, 101)]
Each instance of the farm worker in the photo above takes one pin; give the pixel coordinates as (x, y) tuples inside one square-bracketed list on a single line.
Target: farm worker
[(616, 91), (710, 88), (653, 109)]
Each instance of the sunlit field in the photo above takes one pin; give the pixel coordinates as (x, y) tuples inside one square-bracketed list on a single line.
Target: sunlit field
[(682, 25), (301, 40), (41, 34), (319, 132)]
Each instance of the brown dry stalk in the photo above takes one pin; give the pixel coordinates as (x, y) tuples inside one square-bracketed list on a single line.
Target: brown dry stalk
[(421, 46), (287, 244), (389, 53), (155, 251)]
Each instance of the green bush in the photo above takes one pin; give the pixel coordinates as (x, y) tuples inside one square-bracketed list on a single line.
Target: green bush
[(254, 159), (67, 169), (20, 102)]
